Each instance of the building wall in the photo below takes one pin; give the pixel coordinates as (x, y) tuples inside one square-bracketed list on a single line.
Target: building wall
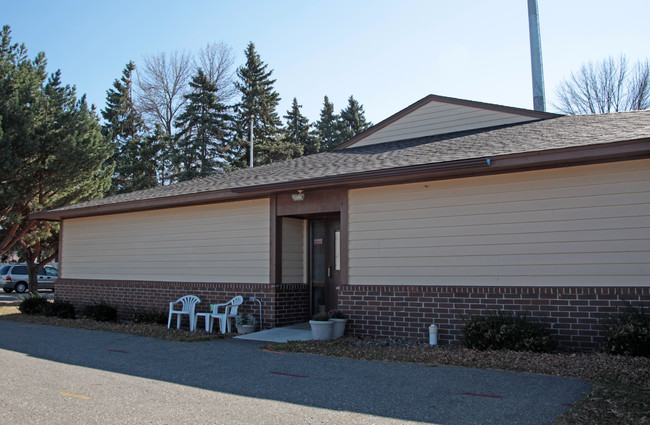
[(282, 305), (583, 226), (293, 250), (226, 242), (576, 317), (440, 118)]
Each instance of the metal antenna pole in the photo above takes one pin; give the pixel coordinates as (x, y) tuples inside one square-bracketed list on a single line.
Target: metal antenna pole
[(539, 103), (251, 142)]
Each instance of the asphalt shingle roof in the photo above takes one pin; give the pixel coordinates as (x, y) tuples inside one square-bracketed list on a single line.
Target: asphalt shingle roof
[(536, 136)]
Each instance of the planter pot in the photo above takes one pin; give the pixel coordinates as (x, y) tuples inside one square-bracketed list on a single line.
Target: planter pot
[(321, 330), (245, 329), (338, 329)]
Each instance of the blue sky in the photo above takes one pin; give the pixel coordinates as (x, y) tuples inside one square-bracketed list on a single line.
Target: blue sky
[(388, 54)]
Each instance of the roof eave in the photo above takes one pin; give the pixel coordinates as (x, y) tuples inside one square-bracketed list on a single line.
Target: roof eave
[(551, 158)]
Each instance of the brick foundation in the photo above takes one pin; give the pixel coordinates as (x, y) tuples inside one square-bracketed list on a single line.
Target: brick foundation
[(282, 304), (576, 317)]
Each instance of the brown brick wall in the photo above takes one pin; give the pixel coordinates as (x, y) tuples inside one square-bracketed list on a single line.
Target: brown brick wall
[(576, 317), (129, 296), (292, 304)]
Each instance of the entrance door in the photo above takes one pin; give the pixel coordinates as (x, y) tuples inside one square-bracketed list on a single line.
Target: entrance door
[(324, 263)]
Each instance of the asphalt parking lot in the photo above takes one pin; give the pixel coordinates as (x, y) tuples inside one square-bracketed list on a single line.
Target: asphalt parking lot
[(14, 296), (61, 375)]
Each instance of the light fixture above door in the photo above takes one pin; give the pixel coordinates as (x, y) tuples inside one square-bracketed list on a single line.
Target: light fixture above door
[(297, 197)]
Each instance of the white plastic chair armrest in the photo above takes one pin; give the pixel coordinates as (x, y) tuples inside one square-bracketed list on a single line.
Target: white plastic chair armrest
[(215, 307)]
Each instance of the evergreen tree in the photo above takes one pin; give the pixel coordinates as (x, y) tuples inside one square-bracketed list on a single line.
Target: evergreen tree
[(258, 106), (298, 131), (52, 153), (327, 127), (134, 153), (204, 131), (352, 120)]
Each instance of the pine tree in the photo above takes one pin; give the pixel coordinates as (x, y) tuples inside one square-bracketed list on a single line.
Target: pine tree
[(258, 106), (298, 131), (134, 153), (52, 153), (204, 131), (327, 127), (352, 120)]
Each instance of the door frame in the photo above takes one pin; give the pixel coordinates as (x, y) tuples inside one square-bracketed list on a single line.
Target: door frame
[(316, 202), (331, 276)]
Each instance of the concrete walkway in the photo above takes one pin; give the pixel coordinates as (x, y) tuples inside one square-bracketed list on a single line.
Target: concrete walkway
[(297, 332), (70, 376)]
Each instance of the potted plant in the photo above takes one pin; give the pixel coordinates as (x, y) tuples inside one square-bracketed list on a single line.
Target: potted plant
[(339, 319), (245, 323), (321, 326)]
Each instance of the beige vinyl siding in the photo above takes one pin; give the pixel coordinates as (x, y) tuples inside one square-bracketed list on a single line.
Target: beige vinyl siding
[(227, 242), (440, 118), (293, 250), (577, 226)]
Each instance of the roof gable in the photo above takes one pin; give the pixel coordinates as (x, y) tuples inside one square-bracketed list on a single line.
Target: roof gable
[(435, 115)]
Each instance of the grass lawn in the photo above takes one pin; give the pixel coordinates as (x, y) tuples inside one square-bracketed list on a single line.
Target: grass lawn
[(621, 390)]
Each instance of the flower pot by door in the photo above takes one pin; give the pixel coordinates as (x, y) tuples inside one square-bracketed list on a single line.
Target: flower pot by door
[(245, 329), (338, 329), (321, 330)]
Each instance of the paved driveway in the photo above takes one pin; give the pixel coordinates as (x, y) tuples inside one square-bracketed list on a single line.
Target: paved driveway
[(58, 375), (12, 297)]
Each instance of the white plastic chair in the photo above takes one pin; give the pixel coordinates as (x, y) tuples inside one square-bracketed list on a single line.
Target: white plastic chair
[(189, 305), (230, 311)]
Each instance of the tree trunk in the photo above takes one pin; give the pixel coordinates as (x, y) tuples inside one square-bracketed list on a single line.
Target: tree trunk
[(32, 271)]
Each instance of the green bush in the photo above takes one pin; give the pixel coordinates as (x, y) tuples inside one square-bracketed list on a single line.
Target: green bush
[(150, 316), (321, 317), (506, 332), (33, 304), (629, 333), (62, 309), (101, 312)]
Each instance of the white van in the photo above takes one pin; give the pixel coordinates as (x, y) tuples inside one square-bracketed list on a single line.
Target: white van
[(13, 277)]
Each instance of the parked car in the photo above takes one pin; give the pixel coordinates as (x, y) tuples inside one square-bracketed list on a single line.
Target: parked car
[(13, 277)]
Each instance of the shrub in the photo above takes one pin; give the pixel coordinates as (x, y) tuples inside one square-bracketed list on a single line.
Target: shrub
[(245, 319), (150, 316), (336, 314), (321, 317), (62, 309), (506, 332), (101, 312), (33, 304), (629, 333)]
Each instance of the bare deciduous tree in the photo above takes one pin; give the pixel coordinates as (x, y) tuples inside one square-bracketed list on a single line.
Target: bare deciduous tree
[(217, 61), (162, 84), (608, 86), (161, 88)]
